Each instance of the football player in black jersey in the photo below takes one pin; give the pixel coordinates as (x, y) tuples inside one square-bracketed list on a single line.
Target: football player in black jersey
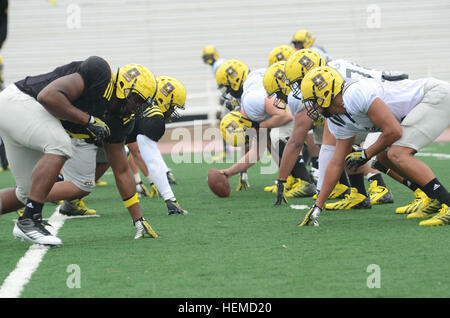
[(146, 131), (71, 99)]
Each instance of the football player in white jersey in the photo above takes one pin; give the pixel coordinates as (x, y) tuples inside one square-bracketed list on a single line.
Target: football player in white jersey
[(210, 56), (300, 182), (296, 67), (257, 110), (303, 39), (410, 114)]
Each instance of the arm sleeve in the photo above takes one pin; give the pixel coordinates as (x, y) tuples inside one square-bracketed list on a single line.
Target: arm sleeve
[(153, 127)]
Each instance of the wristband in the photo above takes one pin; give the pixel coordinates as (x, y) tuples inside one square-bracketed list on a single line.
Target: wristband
[(91, 120), (131, 201)]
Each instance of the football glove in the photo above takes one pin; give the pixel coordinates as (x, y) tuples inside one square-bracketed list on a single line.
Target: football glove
[(171, 178), (243, 182), (311, 216), (281, 193), (174, 208), (98, 130), (356, 158), (154, 193), (141, 189)]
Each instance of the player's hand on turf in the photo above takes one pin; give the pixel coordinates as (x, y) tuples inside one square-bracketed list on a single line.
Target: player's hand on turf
[(243, 182), (154, 193), (311, 216), (356, 158), (142, 189), (173, 207), (98, 130), (281, 193)]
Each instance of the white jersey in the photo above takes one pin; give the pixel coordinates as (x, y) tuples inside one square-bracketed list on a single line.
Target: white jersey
[(295, 105), (354, 71), (349, 71), (216, 65), (322, 52), (399, 96), (254, 95)]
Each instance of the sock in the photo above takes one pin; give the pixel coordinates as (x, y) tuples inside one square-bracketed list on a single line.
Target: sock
[(31, 208), (379, 178), (380, 167), (137, 178), (344, 179), (357, 181), (315, 162), (435, 190), (410, 185), (300, 171)]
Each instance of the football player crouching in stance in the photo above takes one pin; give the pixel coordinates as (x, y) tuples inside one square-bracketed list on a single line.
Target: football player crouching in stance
[(80, 93), (133, 88), (142, 141), (257, 111), (297, 66), (371, 105)]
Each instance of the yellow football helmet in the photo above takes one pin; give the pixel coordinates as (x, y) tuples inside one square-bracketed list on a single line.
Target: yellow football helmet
[(170, 96), (137, 79), (233, 127), (280, 53), (231, 76), (275, 83), (302, 39), (209, 54), (300, 63), (319, 87)]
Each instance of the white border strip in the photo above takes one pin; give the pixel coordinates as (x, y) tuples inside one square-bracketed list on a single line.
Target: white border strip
[(14, 284)]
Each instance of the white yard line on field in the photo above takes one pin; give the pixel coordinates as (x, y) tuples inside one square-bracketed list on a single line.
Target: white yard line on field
[(14, 284)]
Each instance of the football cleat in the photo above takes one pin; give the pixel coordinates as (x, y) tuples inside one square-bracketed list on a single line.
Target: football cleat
[(290, 181), (33, 230), (173, 207), (143, 228), (75, 208), (141, 189), (354, 200), (338, 192), (301, 189), (427, 209), (442, 218), (101, 183), (379, 194), (20, 212), (419, 201)]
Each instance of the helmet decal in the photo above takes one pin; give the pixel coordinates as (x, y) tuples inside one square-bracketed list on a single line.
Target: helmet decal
[(279, 74), (167, 89), (319, 81), (306, 62), (131, 74), (231, 72)]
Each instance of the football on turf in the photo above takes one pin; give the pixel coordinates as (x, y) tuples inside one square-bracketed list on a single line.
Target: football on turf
[(218, 183)]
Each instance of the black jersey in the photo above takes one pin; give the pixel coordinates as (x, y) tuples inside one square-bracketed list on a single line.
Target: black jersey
[(98, 88), (152, 125)]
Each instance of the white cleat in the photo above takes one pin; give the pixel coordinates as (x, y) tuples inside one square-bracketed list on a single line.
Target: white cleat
[(33, 230)]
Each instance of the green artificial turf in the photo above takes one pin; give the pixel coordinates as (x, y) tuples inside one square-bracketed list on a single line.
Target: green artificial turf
[(239, 247)]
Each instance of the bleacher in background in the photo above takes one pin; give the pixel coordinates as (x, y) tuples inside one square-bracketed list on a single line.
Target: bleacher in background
[(168, 36)]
